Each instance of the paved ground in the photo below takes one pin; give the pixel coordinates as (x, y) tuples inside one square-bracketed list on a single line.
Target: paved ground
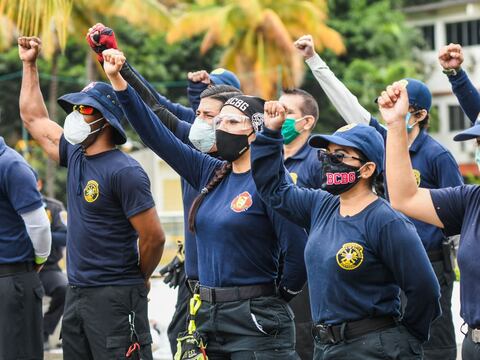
[(162, 305)]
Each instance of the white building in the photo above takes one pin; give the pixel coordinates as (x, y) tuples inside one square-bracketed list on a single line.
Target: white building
[(453, 21)]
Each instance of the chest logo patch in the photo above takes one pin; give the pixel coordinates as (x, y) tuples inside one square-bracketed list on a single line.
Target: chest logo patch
[(418, 176), (241, 202), (294, 177), (350, 256), (91, 191), (49, 215)]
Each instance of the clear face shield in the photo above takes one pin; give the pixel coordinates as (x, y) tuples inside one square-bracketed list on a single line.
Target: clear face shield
[(232, 123)]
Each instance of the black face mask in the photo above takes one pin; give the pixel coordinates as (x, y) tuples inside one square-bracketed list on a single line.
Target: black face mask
[(338, 178), (231, 146)]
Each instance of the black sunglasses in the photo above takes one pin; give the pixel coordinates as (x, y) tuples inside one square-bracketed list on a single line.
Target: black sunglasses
[(336, 157)]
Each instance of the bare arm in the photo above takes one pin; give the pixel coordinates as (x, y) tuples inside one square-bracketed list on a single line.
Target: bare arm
[(404, 194), (33, 111), (151, 240)]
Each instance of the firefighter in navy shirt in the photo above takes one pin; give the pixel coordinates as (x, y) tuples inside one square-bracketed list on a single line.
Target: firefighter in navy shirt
[(238, 238), (114, 237), (25, 241), (360, 252), (455, 210)]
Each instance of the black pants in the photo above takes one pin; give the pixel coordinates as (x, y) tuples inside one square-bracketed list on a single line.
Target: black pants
[(394, 343), (21, 317), (261, 328), (179, 319), (55, 284), (96, 322), (442, 343), (300, 305), (470, 350)]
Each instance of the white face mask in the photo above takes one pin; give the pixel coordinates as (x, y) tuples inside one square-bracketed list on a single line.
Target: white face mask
[(202, 135), (76, 129)]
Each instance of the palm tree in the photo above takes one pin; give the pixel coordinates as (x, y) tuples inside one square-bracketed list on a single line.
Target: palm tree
[(257, 37), (54, 20)]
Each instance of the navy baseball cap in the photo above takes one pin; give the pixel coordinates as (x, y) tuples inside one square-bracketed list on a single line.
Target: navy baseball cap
[(222, 76), (358, 136), (470, 133), (100, 96), (419, 96)]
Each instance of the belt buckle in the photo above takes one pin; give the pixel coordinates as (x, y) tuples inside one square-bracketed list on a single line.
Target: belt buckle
[(476, 336), (324, 334)]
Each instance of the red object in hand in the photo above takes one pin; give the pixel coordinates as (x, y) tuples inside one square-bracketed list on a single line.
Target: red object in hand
[(101, 38)]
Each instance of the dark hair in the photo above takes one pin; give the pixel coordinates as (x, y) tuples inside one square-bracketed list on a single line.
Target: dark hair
[(423, 124), (309, 105), (378, 184), (218, 89), (217, 178)]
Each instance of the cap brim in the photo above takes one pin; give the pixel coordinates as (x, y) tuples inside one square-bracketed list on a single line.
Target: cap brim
[(468, 134), (322, 141), (67, 102)]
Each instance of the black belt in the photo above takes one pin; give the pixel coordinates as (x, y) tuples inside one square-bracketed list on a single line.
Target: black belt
[(435, 255), (216, 295), (333, 334), (15, 268), (474, 335)]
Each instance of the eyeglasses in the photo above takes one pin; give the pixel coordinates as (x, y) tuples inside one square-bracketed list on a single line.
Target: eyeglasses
[(84, 109), (336, 157), (232, 122)]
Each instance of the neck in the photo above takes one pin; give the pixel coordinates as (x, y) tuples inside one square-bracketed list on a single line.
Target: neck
[(242, 164), (356, 199), (291, 149), (412, 135), (100, 145)]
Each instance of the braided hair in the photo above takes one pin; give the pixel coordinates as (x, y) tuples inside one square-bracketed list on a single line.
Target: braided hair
[(217, 178)]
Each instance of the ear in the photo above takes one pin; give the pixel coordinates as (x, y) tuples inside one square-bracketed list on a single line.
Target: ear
[(368, 170), (423, 115), (309, 122)]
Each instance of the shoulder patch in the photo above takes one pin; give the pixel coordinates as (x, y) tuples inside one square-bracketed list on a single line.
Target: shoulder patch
[(63, 217), (242, 202)]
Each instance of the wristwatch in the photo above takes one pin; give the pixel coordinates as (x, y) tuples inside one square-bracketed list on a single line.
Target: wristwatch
[(451, 72)]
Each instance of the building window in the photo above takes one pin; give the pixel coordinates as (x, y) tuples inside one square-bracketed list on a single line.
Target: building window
[(457, 119), (428, 36), (466, 33)]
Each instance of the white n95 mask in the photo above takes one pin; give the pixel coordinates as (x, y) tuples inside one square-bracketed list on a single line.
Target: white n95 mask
[(76, 129), (202, 135)]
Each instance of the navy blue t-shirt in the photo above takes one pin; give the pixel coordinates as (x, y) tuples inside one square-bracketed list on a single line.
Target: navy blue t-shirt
[(459, 210), (357, 264), (104, 191), (18, 195), (304, 167), (238, 237), (434, 168)]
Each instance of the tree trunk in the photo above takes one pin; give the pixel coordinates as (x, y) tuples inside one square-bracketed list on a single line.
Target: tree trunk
[(52, 111), (90, 63)]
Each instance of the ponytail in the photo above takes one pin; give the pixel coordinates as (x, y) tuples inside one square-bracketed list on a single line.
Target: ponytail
[(217, 178), (379, 185)]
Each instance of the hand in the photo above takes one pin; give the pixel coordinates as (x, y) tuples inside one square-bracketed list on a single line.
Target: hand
[(29, 48), (172, 272), (113, 62), (274, 115), (199, 76), (450, 56), (305, 46), (101, 38), (393, 103)]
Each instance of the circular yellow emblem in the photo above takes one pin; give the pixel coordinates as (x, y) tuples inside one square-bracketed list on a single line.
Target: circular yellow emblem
[(346, 128), (418, 177), (350, 256), (91, 191)]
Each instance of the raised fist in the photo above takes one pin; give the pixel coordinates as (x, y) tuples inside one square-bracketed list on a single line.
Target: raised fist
[(393, 103), (101, 38), (29, 48), (305, 46), (199, 76), (450, 56), (113, 61), (274, 115)]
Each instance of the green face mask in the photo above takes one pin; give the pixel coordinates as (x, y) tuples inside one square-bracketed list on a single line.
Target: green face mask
[(289, 132)]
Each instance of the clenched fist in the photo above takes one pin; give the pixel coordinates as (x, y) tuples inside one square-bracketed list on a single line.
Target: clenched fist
[(113, 61), (305, 46), (393, 103), (29, 48), (199, 76), (450, 56), (274, 115)]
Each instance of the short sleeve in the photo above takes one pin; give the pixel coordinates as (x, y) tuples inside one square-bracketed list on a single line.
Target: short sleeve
[(21, 188), (64, 149), (132, 188), (450, 205)]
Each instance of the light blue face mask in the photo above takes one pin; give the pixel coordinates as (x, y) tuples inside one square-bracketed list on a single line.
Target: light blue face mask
[(407, 119), (477, 156), (202, 135)]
